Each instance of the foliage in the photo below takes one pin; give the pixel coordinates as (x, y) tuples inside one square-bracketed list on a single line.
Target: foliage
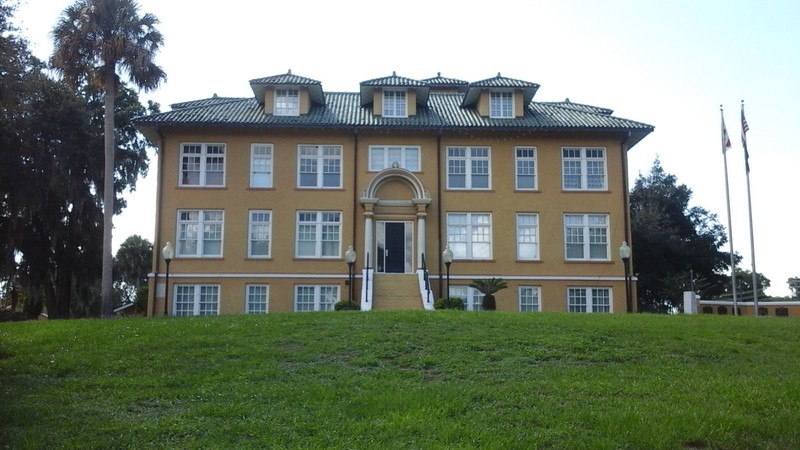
[(744, 286), (794, 285), (320, 380), (488, 287), (51, 179), (449, 303), (673, 244), (344, 305), (131, 266), (93, 39)]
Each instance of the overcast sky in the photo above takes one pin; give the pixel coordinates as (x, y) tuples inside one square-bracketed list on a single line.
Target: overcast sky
[(670, 64)]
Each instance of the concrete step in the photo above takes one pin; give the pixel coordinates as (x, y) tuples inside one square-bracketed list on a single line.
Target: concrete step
[(396, 292)]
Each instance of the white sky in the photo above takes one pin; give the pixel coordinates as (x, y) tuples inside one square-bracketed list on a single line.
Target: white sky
[(669, 64)]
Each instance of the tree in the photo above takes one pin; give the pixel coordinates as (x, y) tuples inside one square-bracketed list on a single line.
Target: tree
[(744, 286), (794, 285), (131, 266), (488, 288), (92, 40), (674, 245)]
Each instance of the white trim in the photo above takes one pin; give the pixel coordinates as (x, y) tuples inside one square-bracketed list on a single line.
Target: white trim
[(343, 276)]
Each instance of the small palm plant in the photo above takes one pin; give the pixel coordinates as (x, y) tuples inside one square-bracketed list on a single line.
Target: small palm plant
[(488, 288)]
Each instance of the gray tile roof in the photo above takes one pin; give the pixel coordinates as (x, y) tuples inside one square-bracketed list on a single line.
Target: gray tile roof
[(368, 87), (443, 83), (344, 110), (288, 80), (500, 82)]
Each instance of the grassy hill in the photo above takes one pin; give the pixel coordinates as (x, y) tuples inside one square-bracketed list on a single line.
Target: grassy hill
[(397, 380)]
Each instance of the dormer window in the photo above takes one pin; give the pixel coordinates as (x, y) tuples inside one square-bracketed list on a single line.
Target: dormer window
[(287, 102), (394, 103), (501, 105)]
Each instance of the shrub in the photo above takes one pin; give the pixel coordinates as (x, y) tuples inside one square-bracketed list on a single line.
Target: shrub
[(344, 305), (449, 303), (488, 288)]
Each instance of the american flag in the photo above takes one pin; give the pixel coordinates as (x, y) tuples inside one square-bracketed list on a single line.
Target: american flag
[(745, 129)]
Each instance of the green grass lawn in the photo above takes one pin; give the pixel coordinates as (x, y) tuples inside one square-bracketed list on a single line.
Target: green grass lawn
[(427, 380)]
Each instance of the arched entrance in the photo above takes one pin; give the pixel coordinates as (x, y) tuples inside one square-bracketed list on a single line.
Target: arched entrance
[(395, 208)]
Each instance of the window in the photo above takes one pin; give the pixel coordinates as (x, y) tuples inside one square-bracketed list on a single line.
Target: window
[(526, 168), (586, 236), (315, 297), (202, 165), (261, 165), (196, 299), (501, 105), (584, 168), (468, 168), (473, 298), (469, 235), (589, 299), (200, 233), (259, 230), (384, 157), (318, 234), (394, 103), (257, 301), (287, 102), (527, 237), (529, 298), (320, 166)]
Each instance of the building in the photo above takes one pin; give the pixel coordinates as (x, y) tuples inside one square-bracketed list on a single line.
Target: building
[(262, 196)]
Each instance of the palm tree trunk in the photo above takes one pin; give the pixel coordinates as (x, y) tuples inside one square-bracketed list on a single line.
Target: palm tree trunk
[(108, 192)]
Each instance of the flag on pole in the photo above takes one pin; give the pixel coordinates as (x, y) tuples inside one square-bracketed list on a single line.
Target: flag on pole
[(726, 141), (745, 129)]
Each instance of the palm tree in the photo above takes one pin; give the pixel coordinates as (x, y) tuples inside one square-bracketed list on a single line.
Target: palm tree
[(488, 288), (92, 39)]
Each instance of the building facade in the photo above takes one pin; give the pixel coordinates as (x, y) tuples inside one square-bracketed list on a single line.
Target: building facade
[(261, 198)]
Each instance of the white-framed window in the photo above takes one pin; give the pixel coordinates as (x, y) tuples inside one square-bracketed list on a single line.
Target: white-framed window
[(260, 165), (202, 165), (526, 168), (385, 156), (257, 299), (319, 166), (529, 298), (394, 103), (259, 234), (473, 298), (589, 299), (468, 168), (501, 105), (583, 168), (319, 234), (287, 102), (586, 236), (527, 236), (195, 299), (469, 235), (200, 233), (320, 297)]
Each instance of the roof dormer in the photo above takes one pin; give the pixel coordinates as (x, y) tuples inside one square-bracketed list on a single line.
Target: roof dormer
[(394, 96), (287, 94), (446, 85), (500, 97)]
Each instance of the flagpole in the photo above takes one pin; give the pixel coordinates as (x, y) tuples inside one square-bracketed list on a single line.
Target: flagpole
[(726, 144), (745, 127)]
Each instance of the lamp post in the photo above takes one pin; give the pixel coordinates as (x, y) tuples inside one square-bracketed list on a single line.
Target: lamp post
[(625, 255), (168, 252), (447, 257), (350, 257)]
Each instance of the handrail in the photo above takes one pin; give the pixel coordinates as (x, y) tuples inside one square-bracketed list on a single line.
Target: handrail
[(427, 279), (367, 278)]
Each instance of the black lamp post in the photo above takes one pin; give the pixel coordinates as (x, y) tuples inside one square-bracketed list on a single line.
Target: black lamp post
[(168, 252), (447, 257), (350, 257), (625, 255)]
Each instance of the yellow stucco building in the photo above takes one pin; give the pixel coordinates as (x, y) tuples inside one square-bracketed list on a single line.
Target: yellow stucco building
[(261, 197)]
